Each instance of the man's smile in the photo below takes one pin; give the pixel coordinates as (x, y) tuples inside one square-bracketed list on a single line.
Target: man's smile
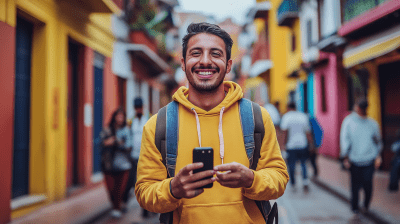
[(205, 72)]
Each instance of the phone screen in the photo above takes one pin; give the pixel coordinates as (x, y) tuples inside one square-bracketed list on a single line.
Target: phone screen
[(206, 156)]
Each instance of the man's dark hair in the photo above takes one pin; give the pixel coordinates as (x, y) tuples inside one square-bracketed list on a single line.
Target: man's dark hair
[(362, 103), (196, 28), (291, 105), (138, 102)]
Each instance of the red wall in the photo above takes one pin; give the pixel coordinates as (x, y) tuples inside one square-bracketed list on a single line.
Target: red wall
[(110, 91), (140, 37), (330, 119), (7, 85), (85, 163)]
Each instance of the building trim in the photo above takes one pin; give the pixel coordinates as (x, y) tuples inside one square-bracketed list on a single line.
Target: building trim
[(372, 47), (369, 17)]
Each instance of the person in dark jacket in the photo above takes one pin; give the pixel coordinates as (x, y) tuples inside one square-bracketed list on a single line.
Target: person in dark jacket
[(395, 172), (116, 143)]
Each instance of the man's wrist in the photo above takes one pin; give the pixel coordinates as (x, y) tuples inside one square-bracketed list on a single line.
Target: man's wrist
[(170, 189), (251, 179)]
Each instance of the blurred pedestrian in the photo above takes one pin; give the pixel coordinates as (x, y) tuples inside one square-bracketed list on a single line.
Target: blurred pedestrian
[(298, 140), (360, 143), (317, 136), (273, 113), (138, 123), (395, 172), (116, 144)]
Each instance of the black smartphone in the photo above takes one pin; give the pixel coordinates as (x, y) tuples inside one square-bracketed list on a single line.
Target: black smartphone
[(206, 156)]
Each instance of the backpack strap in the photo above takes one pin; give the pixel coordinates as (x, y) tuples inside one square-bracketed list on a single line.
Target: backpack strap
[(166, 136), (247, 122), (172, 134)]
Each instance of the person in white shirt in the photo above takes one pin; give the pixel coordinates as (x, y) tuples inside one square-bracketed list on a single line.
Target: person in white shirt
[(298, 139), (274, 113), (360, 145), (138, 123)]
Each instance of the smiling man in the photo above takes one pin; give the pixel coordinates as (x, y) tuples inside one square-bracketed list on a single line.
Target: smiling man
[(209, 116)]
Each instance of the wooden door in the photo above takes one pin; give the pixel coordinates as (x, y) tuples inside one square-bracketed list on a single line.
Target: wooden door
[(389, 77)]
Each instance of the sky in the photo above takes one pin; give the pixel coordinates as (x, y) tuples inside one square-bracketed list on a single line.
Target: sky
[(220, 9)]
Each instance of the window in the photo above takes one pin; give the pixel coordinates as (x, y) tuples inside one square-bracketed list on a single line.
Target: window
[(323, 94), (353, 8)]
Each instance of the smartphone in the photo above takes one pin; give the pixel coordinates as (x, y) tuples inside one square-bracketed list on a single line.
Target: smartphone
[(206, 156)]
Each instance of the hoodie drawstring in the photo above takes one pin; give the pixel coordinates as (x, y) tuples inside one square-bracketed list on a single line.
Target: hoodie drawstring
[(221, 136), (198, 126), (220, 133)]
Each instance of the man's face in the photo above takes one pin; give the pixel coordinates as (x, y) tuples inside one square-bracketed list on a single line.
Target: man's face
[(360, 111), (206, 63), (139, 110)]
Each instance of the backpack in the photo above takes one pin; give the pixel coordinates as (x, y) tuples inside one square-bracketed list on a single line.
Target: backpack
[(166, 141), (317, 132)]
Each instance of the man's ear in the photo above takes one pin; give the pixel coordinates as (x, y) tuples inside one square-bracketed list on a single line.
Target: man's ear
[(229, 66), (183, 64)]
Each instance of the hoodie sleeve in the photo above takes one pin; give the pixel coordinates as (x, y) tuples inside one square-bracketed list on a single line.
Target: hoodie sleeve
[(271, 176), (345, 140), (152, 186)]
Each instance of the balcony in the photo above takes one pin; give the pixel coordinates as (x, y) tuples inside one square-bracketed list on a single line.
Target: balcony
[(287, 12)]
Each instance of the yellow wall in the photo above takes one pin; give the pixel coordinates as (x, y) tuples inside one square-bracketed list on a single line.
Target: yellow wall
[(284, 60), (374, 100), (54, 22)]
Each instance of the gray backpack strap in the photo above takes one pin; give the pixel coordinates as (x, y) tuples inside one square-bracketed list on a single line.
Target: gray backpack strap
[(161, 127), (259, 132)]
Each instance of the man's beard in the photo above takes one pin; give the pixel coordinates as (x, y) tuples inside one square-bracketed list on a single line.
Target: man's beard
[(204, 85)]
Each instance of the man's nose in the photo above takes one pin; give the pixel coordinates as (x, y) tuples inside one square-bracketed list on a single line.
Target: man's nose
[(205, 59)]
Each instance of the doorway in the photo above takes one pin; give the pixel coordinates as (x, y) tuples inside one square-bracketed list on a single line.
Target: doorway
[(74, 50), (22, 108), (390, 108), (98, 110)]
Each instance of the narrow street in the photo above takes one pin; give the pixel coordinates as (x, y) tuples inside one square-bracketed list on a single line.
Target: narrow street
[(315, 206)]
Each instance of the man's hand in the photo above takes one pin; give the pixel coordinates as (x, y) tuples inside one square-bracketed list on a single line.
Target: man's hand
[(237, 175), (378, 162), (346, 163), (186, 184)]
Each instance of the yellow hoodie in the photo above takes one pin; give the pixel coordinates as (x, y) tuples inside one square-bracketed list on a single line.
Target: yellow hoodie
[(218, 204)]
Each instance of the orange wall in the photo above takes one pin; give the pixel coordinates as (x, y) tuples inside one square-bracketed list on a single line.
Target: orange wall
[(110, 91), (7, 74), (86, 132)]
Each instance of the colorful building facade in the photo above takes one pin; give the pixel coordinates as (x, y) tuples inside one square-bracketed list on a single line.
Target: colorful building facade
[(57, 91), (372, 61)]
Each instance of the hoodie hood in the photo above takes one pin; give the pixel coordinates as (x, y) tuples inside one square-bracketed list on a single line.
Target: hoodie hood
[(233, 94)]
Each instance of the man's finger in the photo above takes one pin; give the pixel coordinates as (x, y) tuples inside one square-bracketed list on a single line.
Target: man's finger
[(194, 193), (201, 175), (190, 167), (227, 167), (231, 184), (201, 183), (228, 176)]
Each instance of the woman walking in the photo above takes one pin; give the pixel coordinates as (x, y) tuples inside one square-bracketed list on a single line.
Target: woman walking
[(116, 145)]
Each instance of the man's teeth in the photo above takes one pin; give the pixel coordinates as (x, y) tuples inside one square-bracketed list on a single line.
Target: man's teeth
[(205, 73)]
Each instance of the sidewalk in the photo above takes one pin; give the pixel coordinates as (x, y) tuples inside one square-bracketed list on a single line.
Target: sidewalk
[(78, 209), (385, 205)]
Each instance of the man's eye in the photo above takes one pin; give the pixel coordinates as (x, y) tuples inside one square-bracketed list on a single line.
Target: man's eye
[(216, 54), (196, 53)]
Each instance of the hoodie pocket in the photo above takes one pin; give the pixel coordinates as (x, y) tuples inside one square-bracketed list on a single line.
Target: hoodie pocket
[(232, 212)]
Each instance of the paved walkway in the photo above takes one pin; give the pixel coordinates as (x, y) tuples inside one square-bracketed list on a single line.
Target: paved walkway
[(78, 209), (385, 205)]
